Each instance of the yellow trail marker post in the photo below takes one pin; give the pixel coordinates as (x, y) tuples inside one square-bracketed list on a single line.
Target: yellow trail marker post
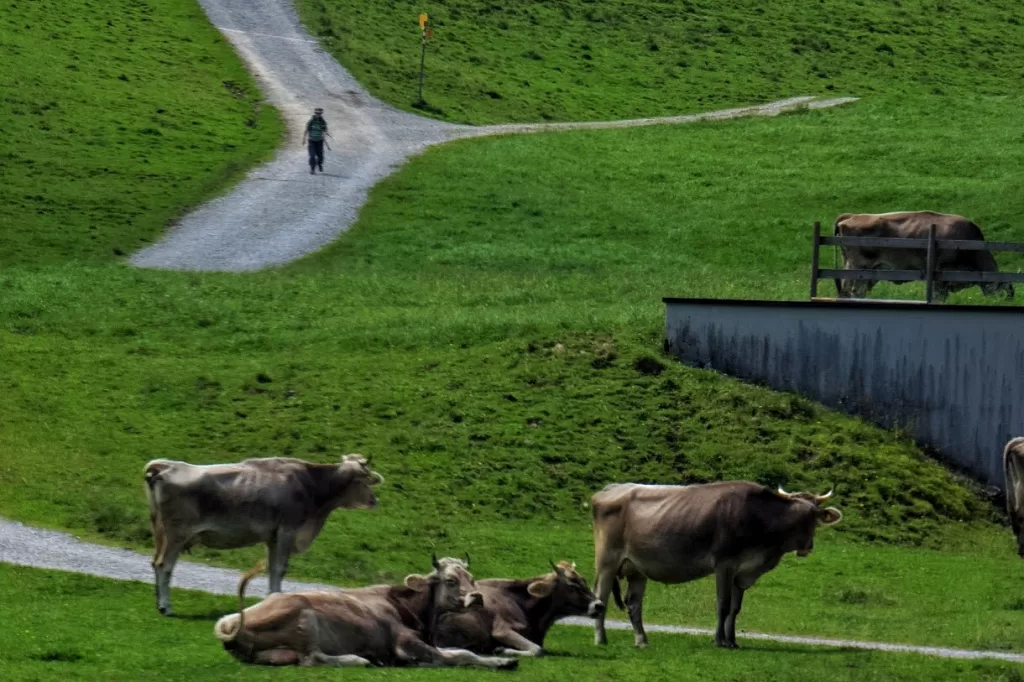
[(424, 34)]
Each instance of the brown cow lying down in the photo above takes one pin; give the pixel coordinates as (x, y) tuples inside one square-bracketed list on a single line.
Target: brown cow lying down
[(674, 534), (380, 625), (517, 614)]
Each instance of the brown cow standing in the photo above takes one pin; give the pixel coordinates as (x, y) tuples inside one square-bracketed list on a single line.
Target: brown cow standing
[(736, 530), (1013, 470), (517, 614), (379, 625), (912, 225), (280, 501)]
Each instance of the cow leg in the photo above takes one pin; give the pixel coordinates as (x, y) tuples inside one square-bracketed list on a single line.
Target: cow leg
[(159, 542), (724, 589), (163, 566), (734, 610), (860, 288), (318, 658), (606, 577), (465, 657), (636, 586), (276, 657), (278, 551), (514, 644), (409, 648)]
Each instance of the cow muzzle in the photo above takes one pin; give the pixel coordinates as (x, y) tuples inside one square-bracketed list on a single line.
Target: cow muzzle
[(595, 609), (473, 600)]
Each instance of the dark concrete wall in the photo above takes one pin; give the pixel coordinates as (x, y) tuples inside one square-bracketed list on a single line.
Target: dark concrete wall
[(951, 375)]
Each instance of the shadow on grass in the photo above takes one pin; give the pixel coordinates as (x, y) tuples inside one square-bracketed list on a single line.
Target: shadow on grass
[(208, 616)]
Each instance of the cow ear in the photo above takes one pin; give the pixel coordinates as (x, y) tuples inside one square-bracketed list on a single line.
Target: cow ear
[(541, 588), (417, 583), (830, 516)]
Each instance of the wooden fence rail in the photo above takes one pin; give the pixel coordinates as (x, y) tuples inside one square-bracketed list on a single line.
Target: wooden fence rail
[(929, 274)]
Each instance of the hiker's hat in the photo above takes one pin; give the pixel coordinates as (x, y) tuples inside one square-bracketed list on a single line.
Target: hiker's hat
[(318, 110)]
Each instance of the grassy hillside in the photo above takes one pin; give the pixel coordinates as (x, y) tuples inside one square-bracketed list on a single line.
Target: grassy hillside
[(115, 117), (490, 331), (501, 370), (40, 641), (579, 59)]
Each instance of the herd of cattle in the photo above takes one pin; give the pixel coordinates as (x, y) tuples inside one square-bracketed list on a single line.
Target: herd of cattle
[(736, 530), (912, 225)]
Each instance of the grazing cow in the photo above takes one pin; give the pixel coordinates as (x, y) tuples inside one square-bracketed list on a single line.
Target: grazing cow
[(517, 614), (380, 625), (674, 534), (281, 501), (1013, 470), (912, 225)]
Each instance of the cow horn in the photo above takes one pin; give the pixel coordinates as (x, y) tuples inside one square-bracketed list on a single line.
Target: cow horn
[(467, 559), (783, 492), (554, 567), (821, 498), (433, 560), (377, 478)]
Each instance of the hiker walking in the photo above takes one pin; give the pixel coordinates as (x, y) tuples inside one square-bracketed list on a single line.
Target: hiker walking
[(315, 132)]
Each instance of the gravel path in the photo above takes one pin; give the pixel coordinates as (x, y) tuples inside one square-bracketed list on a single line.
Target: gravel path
[(27, 546), (280, 212)]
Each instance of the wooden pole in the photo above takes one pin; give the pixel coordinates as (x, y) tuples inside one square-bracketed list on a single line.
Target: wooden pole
[(423, 59), (814, 259), (929, 277)]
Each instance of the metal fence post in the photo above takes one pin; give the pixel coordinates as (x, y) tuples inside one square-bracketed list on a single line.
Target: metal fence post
[(929, 280), (814, 259)]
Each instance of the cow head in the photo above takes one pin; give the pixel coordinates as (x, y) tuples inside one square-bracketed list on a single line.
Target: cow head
[(808, 514), (568, 591), (453, 585), (357, 481)]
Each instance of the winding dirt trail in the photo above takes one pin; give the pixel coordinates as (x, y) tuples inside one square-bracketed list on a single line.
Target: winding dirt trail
[(27, 546), (280, 212)]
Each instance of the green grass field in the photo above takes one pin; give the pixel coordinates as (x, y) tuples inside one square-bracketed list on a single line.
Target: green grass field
[(583, 60), (72, 627), (489, 332)]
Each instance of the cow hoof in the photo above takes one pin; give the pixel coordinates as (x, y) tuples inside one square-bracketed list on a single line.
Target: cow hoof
[(723, 644), (508, 663), (642, 644), (602, 641), (164, 610)]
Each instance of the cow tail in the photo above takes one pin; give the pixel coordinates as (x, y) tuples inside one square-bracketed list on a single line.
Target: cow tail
[(617, 594), (153, 474), (229, 628)]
